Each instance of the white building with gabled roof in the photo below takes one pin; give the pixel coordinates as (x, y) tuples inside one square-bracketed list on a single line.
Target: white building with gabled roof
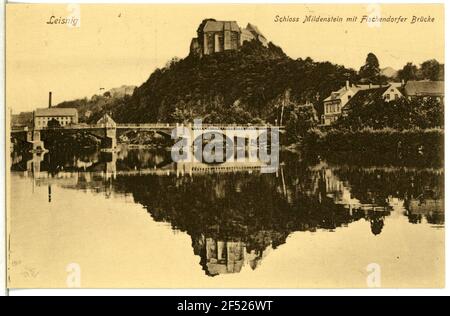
[(332, 106), (64, 116)]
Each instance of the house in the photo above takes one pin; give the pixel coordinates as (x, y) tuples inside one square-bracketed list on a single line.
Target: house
[(425, 89), (392, 93), (334, 104), (365, 97), (218, 36), (64, 116), (106, 121)]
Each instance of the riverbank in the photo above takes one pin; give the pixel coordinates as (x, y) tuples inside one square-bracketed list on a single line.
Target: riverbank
[(370, 146)]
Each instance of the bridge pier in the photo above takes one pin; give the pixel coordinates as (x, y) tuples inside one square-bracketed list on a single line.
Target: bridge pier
[(111, 136), (111, 165), (34, 138)]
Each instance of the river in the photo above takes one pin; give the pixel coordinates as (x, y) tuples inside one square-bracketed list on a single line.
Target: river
[(135, 219)]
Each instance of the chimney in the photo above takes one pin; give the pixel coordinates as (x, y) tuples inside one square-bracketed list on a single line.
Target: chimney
[(49, 99), (347, 85)]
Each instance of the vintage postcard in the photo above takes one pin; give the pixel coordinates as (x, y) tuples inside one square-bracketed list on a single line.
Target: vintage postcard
[(225, 146)]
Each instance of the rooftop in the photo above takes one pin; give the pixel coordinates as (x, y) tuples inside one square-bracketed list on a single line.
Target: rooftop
[(358, 87), (217, 26), (106, 119), (424, 88), (56, 112), (365, 97), (337, 94)]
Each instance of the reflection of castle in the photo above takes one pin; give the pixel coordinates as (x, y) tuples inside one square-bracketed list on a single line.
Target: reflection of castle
[(222, 257), (97, 170)]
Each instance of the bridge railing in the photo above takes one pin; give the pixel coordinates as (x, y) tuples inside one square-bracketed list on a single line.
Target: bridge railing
[(146, 125), (161, 126), (203, 126), (237, 126)]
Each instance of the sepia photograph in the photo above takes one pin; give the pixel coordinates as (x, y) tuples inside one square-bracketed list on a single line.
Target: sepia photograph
[(224, 146)]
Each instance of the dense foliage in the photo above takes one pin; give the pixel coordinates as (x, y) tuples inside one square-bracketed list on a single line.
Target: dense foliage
[(399, 114), (91, 110), (428, 70), (411, 147), (403, 132), (231, 87)]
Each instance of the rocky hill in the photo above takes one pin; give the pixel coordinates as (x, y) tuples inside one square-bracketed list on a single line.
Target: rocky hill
[(231, 87), (121, 91), (90, 110)]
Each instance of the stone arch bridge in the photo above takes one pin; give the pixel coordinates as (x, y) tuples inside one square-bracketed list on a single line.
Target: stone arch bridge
[(108, 133)]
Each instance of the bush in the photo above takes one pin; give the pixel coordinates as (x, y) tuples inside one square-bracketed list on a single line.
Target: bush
[(399, 114), (412, 146)]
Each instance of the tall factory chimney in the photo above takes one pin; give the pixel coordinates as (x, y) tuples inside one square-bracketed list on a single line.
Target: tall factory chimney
[(49, 99)]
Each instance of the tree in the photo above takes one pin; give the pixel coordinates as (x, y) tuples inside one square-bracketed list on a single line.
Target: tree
[(408, 72), (286, 100), (300, 119), (430, 69), (172, 62), (371, 69), (399, 114)]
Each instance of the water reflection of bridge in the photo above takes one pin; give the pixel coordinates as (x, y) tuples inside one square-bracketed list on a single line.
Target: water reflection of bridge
[(327, 184), (99, 169), (109, 167), (105, 166)]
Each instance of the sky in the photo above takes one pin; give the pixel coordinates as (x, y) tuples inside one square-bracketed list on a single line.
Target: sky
[(123, 44)]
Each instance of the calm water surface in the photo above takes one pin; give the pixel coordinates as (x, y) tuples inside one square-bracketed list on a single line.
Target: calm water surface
[(136, 219)]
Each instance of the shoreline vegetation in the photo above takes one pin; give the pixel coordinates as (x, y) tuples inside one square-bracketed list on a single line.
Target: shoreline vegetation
[(368, 146)]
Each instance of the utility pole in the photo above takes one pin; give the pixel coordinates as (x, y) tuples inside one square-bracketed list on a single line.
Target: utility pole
[(283, 103)]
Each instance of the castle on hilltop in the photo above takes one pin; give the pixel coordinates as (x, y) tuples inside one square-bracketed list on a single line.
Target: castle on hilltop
[(217, 36)]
